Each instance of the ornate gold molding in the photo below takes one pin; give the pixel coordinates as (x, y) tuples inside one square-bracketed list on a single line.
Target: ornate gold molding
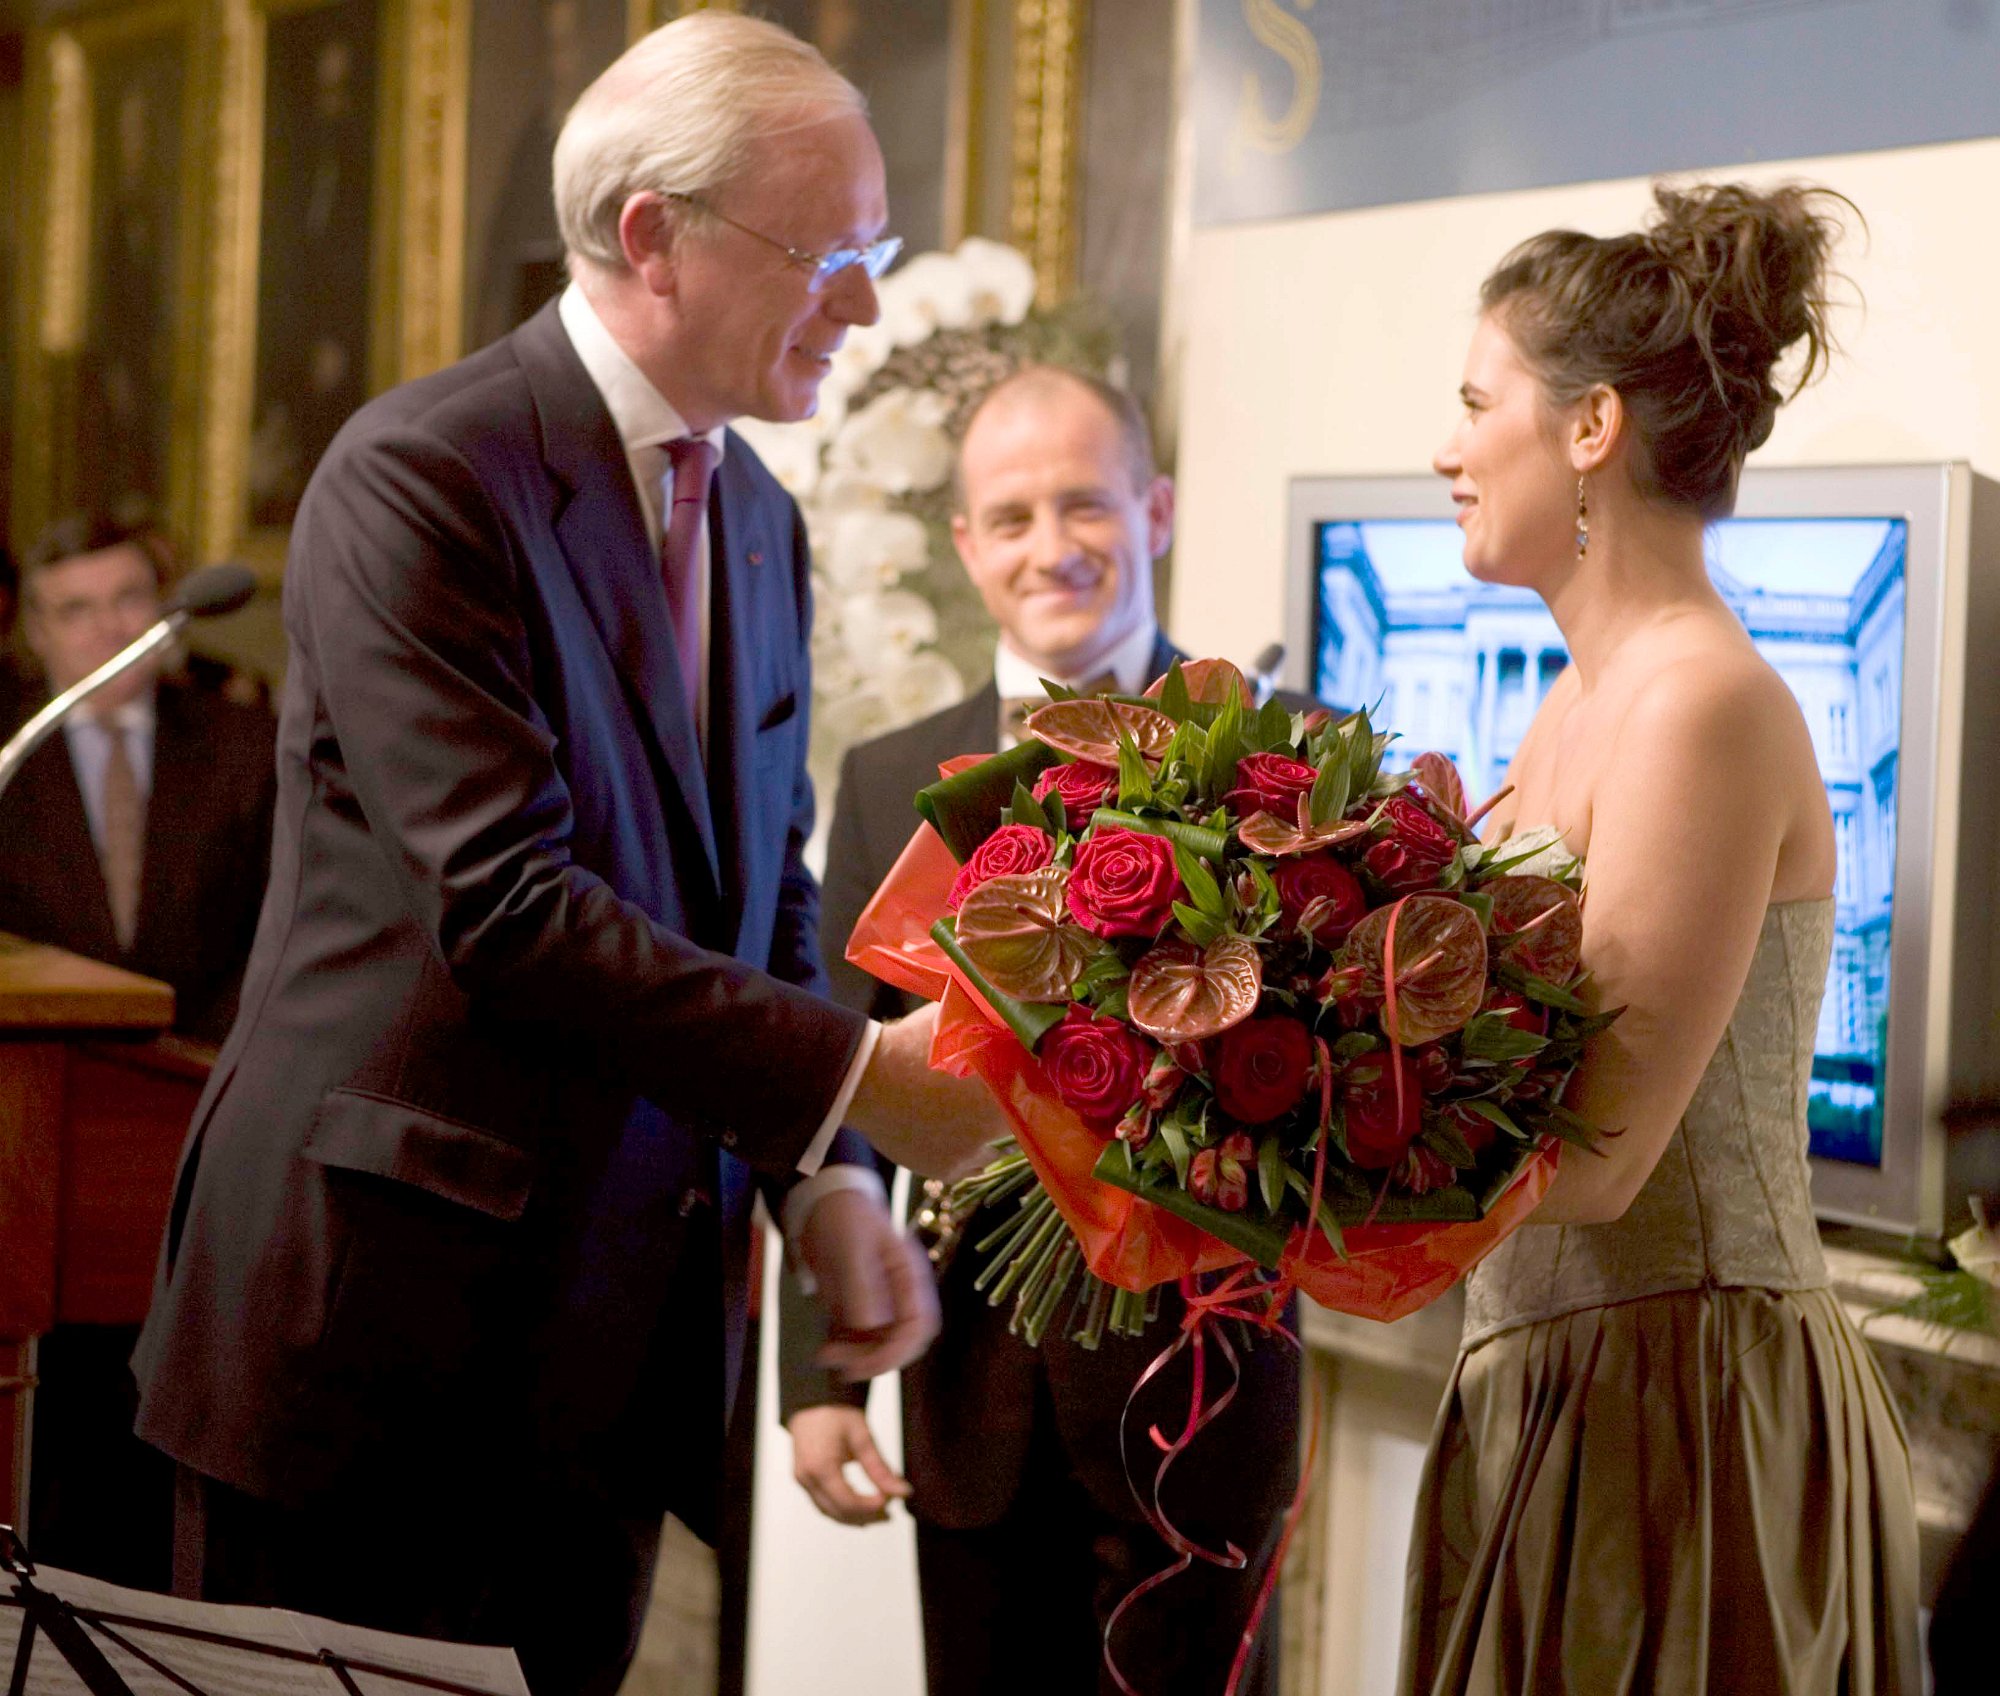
[(1048, 66), (229, 332), (420, 279)]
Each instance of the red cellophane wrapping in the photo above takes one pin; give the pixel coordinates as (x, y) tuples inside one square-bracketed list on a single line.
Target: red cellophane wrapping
[(1388, 1270)]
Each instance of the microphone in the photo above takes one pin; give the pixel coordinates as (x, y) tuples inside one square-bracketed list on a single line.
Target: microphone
[(1264, 671), (208, 593)]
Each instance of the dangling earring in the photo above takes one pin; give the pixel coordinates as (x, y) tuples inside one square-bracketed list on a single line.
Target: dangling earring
[(1582, 521)]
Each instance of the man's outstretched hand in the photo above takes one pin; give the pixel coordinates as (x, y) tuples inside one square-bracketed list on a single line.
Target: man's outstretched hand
[(932, 1123)]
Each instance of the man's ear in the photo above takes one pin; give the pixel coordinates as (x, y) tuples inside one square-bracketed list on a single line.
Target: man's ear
[(1160, 516), (961, 539), (1597, 429), (648, 229)]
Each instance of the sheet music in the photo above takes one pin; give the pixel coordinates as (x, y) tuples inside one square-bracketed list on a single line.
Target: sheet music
[(219, 1669)]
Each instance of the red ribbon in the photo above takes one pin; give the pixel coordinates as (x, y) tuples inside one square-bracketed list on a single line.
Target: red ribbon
[(1227, 1300)]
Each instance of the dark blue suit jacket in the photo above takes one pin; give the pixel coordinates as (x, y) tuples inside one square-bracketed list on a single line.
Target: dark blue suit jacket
[(454, 1204)]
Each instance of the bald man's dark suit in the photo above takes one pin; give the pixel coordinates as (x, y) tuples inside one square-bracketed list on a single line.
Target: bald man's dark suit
[(1002, 1441)]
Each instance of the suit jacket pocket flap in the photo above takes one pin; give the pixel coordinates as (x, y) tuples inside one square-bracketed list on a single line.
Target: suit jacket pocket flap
[(391, 1139)]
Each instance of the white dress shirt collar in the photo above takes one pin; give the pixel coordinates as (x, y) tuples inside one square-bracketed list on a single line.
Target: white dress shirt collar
[(1131, 662), (645, 417)]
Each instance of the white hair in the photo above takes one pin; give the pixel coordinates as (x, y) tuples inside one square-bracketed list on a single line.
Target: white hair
[(677, 112)]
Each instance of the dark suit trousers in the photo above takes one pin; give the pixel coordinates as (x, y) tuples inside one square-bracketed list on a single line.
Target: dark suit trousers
[(1021, 1605), (561, 1579)]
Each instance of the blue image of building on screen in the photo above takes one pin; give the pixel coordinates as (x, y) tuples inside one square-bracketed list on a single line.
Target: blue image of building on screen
[(1461, 666)]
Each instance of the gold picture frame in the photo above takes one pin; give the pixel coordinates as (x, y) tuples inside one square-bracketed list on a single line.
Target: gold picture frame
[(107, 315)]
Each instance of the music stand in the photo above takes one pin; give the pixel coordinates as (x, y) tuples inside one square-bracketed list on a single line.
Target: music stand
[(229, 1651)]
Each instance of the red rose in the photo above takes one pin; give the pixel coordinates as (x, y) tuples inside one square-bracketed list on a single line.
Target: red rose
[(1260, 1068), (1377, 1137), (1096, 1064), (1221, 1176), (1414, 852), (1011, 848), (1269, 783), (1520, 1015), (1475, 1130), (1319, 896), (1124, 883), (1084, 787)]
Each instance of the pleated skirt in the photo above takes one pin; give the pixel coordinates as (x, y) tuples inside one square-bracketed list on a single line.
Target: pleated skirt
[(1694, 1494)]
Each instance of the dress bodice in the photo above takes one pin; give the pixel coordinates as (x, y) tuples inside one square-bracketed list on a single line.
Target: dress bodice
[(1729, 1203)]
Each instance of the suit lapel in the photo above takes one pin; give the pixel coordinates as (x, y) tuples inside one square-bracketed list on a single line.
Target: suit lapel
[(739, 547), (602, 533)]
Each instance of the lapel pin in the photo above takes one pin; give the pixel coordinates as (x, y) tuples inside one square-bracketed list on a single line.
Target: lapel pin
[(756, 557)]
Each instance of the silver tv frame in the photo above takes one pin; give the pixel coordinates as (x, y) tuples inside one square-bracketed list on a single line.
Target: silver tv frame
[(1943, 1043)]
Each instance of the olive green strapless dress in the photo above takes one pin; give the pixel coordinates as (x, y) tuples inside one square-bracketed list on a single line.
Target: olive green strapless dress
[(1666, 1462)]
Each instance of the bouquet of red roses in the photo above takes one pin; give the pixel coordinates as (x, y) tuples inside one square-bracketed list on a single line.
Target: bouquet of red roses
[(1247, 998)]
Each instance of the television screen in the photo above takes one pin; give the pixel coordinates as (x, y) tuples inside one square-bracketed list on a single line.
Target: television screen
[(1461, 666)]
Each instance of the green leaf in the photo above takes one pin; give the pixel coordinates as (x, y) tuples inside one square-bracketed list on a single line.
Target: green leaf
[(1489, 1036), (1175, 1137), (1201, 929), (1354, 1044), (1494, 1114), (966, 809), (1135, 781), (1104, 970), (1538, 989), (1268, 903), (1442, 1138), (1174, 694), (1263, 1240), (1200, 884), (1271, 1171), (1560, 1121), (1058, 691), (1328, 799), (1197, 839), (1226, 745), (1301, 1186), (1025, 809), (1054, 810), (1116, 1002), (1482, 905), (1030, 1021), (1274, 728)]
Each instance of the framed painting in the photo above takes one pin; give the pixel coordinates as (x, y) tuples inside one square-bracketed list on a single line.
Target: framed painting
[(106, 359), (315, 229)]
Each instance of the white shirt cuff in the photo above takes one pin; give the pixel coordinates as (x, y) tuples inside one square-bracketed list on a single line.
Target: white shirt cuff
[(815, 1154), (808, 1195)]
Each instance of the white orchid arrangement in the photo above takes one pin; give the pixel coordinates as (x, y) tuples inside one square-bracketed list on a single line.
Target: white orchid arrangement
[(898, 631)]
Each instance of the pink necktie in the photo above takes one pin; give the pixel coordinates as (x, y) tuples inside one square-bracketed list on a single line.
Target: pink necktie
[(693, 461)]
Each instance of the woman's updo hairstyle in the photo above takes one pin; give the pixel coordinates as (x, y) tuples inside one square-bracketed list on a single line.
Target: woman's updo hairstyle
[(1687, 320)]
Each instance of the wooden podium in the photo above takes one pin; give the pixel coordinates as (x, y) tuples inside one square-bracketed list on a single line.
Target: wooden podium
[(94, 1101)]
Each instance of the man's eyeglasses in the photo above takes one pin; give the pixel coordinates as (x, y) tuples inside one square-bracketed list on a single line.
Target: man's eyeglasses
[(820, 268)]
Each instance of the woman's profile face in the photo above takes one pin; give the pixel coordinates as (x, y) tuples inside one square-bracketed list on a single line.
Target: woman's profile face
[(1512, 484)]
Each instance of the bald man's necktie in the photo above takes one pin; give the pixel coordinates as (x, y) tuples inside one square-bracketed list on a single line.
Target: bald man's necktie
[(124, 826), (693, 462)]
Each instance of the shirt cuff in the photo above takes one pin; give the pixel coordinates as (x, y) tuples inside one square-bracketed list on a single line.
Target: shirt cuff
[(823, 1183), (815, 1154)]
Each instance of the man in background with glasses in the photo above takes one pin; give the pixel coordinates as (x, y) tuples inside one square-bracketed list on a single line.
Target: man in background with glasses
[(453, 1293)]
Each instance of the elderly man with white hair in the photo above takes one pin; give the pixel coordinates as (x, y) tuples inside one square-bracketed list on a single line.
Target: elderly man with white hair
[(452, 1297)]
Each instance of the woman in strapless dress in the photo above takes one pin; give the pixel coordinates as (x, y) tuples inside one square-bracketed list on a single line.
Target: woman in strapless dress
[(1666, 1462)]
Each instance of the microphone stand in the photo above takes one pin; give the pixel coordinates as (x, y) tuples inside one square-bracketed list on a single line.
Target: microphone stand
[(218, 589)]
